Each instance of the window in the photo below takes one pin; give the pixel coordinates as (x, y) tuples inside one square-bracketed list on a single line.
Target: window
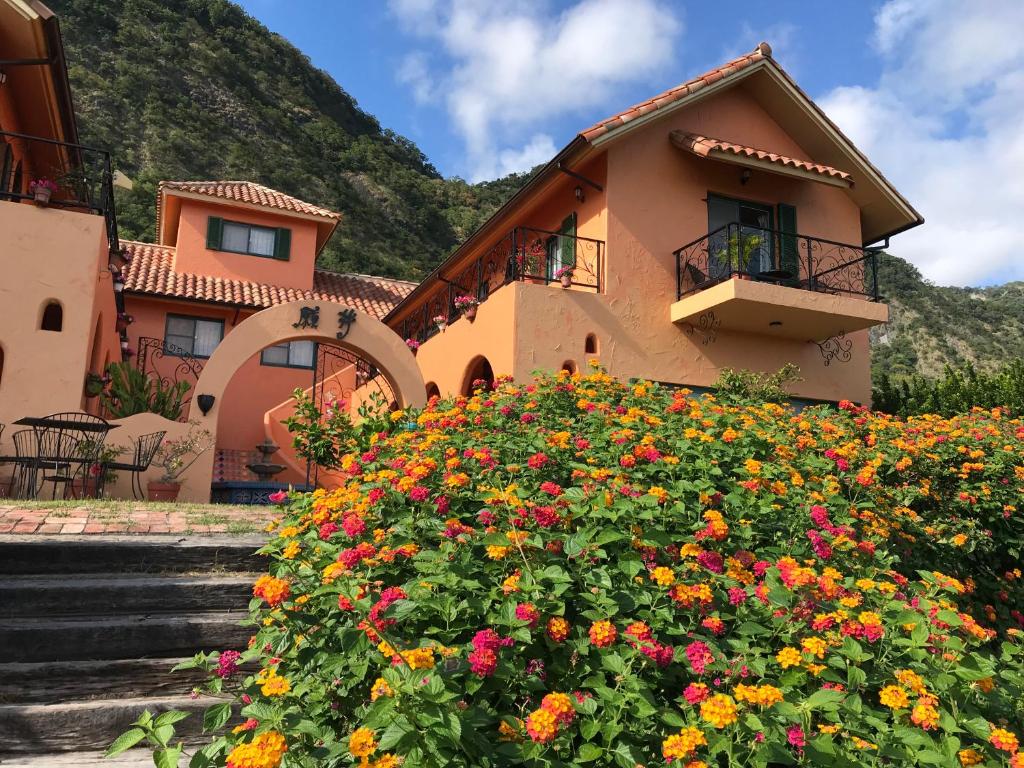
[(235, 237), (590, 345), (192, 336), (741, 238), (291, 354), (561, 248), (53, 317)]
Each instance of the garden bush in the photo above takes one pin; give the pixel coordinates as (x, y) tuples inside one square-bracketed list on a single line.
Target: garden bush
[(581, 572)]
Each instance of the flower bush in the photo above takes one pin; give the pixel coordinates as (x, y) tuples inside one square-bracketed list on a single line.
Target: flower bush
[(583, 572)]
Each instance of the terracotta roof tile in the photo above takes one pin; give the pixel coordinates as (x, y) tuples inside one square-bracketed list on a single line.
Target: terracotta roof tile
[(763, 51), (150, 270), (249, 192), (704, 145)]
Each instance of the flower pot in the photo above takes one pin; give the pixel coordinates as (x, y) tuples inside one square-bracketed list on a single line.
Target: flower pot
[(442, 326), (470, 312), (42, 195), (566, 281), (120, 325), (162, 491), (414, 350), (84, 488)]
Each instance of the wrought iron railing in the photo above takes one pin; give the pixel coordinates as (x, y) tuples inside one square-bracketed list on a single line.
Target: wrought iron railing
[(783, 258), (526, 254), (83, 176), (181, 366)]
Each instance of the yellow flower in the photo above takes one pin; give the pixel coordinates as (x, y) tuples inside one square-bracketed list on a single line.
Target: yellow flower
[(380, 688), (788, 657), (814, 645), (683, 744), (496, 552), (719, 710), (362, 742), (969, 757), (894, 697), (419, 658), (275, 685), (264, 751), (663, 576)]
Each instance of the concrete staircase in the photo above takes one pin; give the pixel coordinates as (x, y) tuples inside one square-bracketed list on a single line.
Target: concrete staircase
[(91, 626)]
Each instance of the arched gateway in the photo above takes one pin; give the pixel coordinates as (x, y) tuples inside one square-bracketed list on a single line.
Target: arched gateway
[(326, 322)]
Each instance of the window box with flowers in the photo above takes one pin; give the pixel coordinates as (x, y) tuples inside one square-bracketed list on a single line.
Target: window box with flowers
[(441, 321), (42, 189), (564, 276), (413, 345), (467, 306)]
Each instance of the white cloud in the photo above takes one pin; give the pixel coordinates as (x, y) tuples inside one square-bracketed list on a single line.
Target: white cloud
[(944, 124), (513, 67), (414, 72)]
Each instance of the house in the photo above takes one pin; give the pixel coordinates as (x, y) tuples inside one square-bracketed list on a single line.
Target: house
[(725, 223), (226, 250)]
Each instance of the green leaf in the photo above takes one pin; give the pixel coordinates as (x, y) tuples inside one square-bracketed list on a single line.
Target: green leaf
[(125, 741), (167, 758), (589, 752), (170, 717), (949, 617), (216, 716), (824, 699)]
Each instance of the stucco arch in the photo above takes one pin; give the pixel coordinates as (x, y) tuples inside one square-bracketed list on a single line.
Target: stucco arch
[(365, 336)]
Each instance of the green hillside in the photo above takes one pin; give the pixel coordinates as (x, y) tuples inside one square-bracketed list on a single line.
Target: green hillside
[(198, 89)]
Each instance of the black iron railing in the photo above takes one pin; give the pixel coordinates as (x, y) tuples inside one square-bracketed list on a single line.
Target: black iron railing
[(783, 258), (180, 366), (525, 254), (83, 176)]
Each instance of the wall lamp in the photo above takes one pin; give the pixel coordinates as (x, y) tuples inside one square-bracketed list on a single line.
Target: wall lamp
[(579, 194), (205, 403), (3, 77)]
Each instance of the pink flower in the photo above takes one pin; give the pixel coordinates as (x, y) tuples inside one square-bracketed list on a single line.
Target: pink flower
[(528, 612), (699, 656), (353, 525), (419, 493), (278, 497), (483, 662), (695, 693), (227, 664), (795, 736)]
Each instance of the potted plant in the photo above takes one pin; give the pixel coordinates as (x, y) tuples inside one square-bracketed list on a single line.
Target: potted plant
[(96, 476), (413, 345), (174, 457), (123, 321), (564, 275), (43, 190), (467, 306), (95, 384), (441, 322), (735, 255)]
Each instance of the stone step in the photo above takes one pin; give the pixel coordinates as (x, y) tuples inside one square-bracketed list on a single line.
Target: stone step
[(68, 594), (121, 637), (44, 555), (133, 758), (56, 682), (88, 725)]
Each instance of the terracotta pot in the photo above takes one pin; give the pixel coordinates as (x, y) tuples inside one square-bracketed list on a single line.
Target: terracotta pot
[(162, 491), (442, 326), (566, 281), (84, 488), (470, 312), (42, 194)]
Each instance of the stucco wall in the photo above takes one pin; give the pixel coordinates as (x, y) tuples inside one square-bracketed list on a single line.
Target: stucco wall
[(51, 254), (195, 484), (192, 255)]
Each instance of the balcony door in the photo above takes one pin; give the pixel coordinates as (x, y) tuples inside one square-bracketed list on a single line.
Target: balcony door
[(741, 239), (561, 248)]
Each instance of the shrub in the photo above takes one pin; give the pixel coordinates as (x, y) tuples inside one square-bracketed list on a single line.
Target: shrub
[(133, 391), (957, 391), (753, 386), (580, 572)]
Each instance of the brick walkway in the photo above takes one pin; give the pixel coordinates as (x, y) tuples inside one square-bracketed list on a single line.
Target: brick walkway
[(133, 517)]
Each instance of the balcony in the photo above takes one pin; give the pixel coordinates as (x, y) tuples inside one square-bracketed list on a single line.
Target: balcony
[(525, 254), (82, 175), (783, 284)]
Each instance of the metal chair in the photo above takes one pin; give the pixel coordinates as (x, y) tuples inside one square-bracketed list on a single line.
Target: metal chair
[(23, 479), (58, 453), (145, 449)]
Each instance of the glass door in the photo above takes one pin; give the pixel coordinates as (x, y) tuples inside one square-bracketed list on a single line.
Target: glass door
[(741, 237)]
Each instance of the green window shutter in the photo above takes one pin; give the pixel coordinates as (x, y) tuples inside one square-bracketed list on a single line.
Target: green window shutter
[(214, 232), (283, 244), (569, 242), (789, 256)]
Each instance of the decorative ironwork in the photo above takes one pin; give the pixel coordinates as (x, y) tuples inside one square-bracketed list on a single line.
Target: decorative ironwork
[(309, 317), (180, 366), (707, 326), (345, 319), (784, 258), (83, 175), (838, 348), (524, 254)]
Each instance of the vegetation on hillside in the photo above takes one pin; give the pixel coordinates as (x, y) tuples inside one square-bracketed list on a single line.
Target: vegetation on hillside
[(582, 572), (957, 391), (197, 89)]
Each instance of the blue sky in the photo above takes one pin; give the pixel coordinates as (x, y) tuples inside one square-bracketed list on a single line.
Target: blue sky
[(932, 90)]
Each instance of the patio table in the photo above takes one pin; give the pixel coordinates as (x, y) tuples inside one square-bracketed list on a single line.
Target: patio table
[(66, 454), (45, 422)]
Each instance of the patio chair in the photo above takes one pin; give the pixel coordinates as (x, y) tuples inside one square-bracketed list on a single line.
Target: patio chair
[(59, 459), (23, 478), (145, 450)]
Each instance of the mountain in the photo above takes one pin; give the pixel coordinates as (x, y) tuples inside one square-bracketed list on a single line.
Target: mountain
[(198, 89)]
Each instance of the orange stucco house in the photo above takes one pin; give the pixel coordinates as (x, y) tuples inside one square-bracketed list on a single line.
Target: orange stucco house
[(723, 223)]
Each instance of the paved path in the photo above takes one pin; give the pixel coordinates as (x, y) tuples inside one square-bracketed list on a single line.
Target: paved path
[(132, 517)]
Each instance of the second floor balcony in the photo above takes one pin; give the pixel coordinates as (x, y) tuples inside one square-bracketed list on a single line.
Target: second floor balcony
[(525, 254), (778, 283), (78, 178)]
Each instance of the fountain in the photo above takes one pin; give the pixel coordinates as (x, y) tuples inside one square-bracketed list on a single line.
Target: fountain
[(254, 491)]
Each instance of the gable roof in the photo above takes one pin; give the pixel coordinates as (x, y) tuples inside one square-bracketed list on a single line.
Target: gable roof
[(247, 194), (150, 271)]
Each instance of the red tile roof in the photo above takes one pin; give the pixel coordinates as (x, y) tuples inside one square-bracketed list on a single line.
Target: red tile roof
[(246, 192), (763, 51), (704, 145), (151, 271)]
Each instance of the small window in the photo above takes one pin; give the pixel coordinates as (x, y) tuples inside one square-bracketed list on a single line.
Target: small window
[(569, 366), (590, 345), (432, 390), (236, 237), (192, 336), (53, 317), (292, 354)]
